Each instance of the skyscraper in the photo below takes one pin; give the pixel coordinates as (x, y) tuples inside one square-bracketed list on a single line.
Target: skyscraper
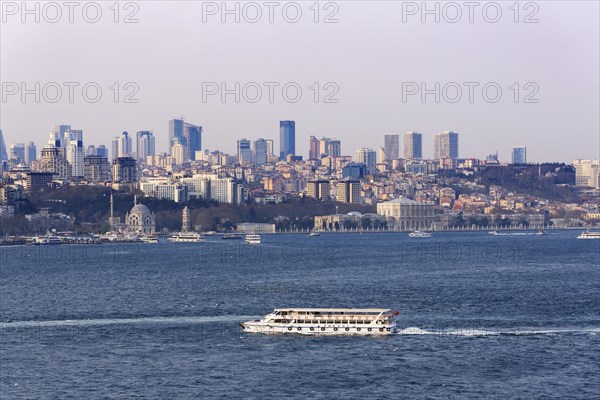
[(189, 135), (391, 144), (178, 152), (260, 151), (329, 147), (413, 145), (324, 147), (270, 147), (102, 151), (367, 157), (519, 155), (17, 152), (445, 145), (175, 130), (96, 168), (115, 148), (313, 149), (335, 148), (60, 135), (124, 170), (587, 173), (124, 145), (144, 144), (244, 151), (287, 139), (72, 148), (30, 153), (3, 154)]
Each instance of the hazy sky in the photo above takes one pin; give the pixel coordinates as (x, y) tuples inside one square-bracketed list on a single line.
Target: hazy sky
[(372, 54)]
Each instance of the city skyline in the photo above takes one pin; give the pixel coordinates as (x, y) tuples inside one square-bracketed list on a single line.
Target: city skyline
[(127, 145)]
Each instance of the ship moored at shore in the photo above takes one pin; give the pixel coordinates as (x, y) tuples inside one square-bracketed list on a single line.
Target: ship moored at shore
[(326, 321)]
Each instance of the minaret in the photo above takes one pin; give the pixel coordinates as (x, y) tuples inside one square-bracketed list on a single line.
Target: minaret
[(112, 221), (185, 224)]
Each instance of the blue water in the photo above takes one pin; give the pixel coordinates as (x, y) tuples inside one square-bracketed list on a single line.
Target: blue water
[(480, 317)]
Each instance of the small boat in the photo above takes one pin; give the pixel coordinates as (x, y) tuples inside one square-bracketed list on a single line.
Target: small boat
[(150, 239), (419, 234), (186, 237), (498, 233), (326, 321), (314, 234), (47, 240), (209, 233), (231, 236), (589, 235), (252, 238)]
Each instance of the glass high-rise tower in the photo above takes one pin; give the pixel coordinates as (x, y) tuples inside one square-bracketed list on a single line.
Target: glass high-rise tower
[(519, 155), (188, 135), (413, 145), (287, 139), (445, 145), (391, 144)]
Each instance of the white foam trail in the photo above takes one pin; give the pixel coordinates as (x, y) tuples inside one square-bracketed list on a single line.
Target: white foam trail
[(498, 332), (131, 321)]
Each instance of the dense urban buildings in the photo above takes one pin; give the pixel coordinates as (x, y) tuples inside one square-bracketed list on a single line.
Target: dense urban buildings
[(254, 175), (367, 157)]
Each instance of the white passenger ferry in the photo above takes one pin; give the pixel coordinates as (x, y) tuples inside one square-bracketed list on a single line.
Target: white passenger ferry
[(252, 239), (186, 237), (419, 234), (47, 240), (589, 235), (326, 321)]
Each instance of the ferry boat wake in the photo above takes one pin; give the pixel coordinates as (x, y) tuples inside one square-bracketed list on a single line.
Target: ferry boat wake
[(326, 321)]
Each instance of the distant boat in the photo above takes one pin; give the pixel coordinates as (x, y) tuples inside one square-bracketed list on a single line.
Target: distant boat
[(498, 233), (186, 237), (589, 235), (231, 236), (252, 238), (419, 234), (150, 239), (47, 240), (314, 234), (210, 233)]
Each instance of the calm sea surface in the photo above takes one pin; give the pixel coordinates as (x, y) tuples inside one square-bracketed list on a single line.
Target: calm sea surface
[(481, 317)]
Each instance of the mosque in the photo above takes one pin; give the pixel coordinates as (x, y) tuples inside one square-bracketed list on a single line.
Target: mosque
[(139, 220)]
